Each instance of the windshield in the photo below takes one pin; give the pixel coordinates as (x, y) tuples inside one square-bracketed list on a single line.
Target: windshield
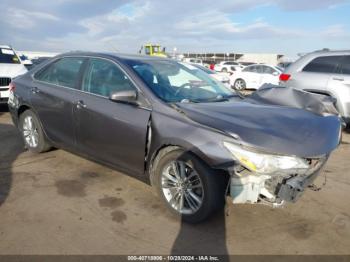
[(155, 49), (203, 68), (8, 56), (174, 81)]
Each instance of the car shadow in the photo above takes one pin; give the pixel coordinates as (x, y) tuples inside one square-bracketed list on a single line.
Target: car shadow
[(11, 147), (204, 239), (207, 237)]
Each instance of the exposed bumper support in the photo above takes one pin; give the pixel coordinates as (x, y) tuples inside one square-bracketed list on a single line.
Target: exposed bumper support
[(248, 187)]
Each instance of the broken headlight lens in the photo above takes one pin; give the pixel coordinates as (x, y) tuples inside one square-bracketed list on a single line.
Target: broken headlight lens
[(264, 163)]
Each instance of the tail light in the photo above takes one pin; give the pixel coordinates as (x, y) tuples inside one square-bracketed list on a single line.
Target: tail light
[(12, 87), (284, 77)]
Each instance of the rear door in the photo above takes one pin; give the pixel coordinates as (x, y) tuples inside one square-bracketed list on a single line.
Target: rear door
[(53, 93), (112, 132), (339, 86), (251, 76)]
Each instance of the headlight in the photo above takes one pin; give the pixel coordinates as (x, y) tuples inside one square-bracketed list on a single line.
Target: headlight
[(266, 163)]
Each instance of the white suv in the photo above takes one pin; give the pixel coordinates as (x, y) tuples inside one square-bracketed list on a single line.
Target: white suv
[(226, 66), (10, 67), (323, 72)]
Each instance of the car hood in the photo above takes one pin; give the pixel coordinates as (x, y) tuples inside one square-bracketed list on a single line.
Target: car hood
[(12, 70), (270, 128)]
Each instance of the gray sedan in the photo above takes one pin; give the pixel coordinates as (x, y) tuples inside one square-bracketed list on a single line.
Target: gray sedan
[(194, 139)]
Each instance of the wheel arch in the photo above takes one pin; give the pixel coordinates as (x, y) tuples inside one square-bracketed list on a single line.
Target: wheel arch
[(166, 148), (22, 109)]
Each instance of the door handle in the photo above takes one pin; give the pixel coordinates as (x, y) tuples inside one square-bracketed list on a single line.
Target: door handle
[(35, 90), (338, 78), (80, 104)]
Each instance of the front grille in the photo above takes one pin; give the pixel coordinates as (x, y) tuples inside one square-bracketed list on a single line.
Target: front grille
[(5, 81)]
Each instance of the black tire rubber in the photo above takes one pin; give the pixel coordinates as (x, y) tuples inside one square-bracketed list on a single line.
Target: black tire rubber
[(244, 87), (214, 183), (43, 144)]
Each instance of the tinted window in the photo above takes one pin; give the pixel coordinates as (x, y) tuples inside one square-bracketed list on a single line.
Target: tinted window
[(322, 64), (64, 72), (345, 65), (103, 77)]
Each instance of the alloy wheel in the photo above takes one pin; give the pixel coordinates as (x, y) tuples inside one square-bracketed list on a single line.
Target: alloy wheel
[(30, 132), (182, 187), (239, 85)]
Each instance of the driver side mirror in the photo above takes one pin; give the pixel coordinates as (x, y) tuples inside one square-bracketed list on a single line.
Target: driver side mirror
[(124, 96), (275, 73)]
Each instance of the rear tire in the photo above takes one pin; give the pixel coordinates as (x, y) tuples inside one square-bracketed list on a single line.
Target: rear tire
[(239, 85), (32, 132), (200, 191)]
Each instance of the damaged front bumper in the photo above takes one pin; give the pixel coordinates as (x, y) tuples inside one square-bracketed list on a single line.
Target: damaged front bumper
[(275, 189)]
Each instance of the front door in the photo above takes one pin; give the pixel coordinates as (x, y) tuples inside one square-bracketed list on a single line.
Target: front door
[(112, 132)]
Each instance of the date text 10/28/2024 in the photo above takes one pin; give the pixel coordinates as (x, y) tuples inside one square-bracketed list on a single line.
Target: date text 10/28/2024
[(173, 258)]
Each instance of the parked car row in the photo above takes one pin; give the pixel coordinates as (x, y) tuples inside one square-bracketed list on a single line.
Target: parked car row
[(194, 138), (227, 66)]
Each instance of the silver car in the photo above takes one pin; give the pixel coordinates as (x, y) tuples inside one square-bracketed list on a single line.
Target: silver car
[(324, 72)]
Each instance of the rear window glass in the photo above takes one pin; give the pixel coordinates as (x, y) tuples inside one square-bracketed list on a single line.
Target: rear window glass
[(8, 56), (345, 65), (323, 64), (63, 72)]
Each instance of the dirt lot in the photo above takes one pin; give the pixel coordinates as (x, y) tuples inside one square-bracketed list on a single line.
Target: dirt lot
[(58, 203)]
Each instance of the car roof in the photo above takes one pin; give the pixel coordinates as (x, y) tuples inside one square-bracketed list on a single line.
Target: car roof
[(307, 58), (113, 55)]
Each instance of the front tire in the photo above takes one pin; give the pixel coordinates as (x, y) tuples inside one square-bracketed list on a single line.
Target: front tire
[(32, 132), (187, 186)]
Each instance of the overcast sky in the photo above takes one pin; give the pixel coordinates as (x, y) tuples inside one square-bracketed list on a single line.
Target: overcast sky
[(271, 26)]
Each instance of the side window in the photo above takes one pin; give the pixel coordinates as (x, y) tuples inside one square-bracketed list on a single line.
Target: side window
[(268, 70), (322, 64), (64, 72), (345, 65), (259, 69), (250, 69), (103, 77)]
